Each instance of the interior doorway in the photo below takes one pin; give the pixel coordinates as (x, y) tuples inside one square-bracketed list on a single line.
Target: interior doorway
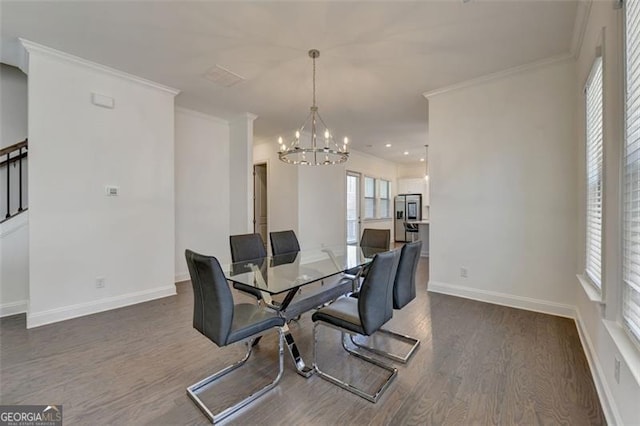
[(353, 207), (260, 197)]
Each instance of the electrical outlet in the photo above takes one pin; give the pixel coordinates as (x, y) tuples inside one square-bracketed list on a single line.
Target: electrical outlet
[(464, 273), (100, 282), (616, 369)]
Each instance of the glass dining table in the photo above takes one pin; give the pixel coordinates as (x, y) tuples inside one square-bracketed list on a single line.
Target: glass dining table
[(288, 273)]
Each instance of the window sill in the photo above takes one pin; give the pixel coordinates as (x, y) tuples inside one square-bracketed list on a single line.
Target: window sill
[(628, 350), (376, 219), (590, 290)]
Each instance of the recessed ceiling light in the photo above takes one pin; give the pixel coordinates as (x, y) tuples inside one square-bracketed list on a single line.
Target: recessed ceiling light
[(388, 145), (406, 153), (422, 159)]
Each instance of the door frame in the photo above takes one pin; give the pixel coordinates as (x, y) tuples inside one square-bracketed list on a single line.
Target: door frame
[(358, 201), (268, 186)]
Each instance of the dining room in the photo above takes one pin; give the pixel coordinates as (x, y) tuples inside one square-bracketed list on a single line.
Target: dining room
[(392, 213)]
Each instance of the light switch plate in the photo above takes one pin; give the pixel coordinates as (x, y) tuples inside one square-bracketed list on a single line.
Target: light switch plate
[(112, 191)]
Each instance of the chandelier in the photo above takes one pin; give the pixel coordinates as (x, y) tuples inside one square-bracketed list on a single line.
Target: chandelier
[(313, 143)]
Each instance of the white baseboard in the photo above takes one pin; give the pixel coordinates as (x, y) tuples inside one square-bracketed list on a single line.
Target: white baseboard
[(81, 309), (604, 393), (13, 308), (182, 277), (504, 299)]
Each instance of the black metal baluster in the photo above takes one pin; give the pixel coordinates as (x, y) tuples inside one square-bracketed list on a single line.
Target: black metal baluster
[(8, 174), (20, 177)]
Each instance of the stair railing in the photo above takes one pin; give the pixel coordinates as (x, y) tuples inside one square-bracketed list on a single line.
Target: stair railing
[(10, 156)]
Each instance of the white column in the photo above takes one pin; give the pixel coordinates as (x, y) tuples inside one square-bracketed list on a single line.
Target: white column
[(241, 174)]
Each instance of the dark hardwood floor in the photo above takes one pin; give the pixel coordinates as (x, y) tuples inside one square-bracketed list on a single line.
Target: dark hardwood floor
[(477, 364)]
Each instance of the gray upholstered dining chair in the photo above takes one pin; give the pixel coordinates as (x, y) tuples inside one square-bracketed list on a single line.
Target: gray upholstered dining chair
[(375, 238), (220, 320), (284, 242), (372, 239), (404, 291), (412, 229), (247, 247), (362, 316)]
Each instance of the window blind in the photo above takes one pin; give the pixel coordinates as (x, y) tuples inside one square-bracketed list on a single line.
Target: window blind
[(369, 198), (631, 190), (384, 198), (593, 137)]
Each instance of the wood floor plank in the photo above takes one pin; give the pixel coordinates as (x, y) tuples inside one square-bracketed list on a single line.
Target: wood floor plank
[(477, 364)]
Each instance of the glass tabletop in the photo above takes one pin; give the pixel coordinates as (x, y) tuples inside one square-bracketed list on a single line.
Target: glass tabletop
[(277, 274)]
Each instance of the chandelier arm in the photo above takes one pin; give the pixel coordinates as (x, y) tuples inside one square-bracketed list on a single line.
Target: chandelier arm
[(326, 128)]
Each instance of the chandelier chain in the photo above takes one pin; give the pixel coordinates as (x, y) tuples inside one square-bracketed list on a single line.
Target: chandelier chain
[(314, 81)]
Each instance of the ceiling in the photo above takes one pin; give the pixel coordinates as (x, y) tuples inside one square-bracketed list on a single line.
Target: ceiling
[(377, 58)]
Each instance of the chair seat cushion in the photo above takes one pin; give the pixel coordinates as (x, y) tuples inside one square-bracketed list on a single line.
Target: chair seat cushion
[(342, 313), (250, 319), (318, 296)]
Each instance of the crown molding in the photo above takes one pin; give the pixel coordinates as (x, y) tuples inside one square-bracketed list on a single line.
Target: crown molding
[(580, 26), (32, 48), (501, 74), (201, 115)]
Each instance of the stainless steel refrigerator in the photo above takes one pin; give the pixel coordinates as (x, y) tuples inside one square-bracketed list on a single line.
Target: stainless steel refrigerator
[(407, 207)]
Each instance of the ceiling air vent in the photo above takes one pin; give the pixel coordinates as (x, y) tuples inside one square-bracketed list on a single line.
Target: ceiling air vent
[(223, 76)]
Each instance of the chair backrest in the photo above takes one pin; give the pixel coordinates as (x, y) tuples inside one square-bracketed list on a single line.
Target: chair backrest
[(378, 238), (404, 287), (246, 247), (284, 242), (411, 227), (375, 301), (212, 299)]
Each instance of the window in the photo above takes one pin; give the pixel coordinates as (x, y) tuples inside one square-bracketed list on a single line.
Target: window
[(369, 198), (593, 138), (631, 171), (385, 202)]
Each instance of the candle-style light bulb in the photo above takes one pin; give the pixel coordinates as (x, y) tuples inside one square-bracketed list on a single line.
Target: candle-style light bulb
[(326, 134), (297, 134), (346, 140), (280, 140)]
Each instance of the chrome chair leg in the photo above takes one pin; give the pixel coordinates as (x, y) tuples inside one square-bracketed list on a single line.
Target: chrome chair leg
[(395, 357), (196, 388), (347, 386)]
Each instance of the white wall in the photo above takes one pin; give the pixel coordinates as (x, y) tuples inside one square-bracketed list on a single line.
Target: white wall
[(311, 200), (282, 196), (321, 205), (78, 234), (14, 265), (603, 29), (241, 174), (202, 187), (502, 185), (13, 105), (409, 171)]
